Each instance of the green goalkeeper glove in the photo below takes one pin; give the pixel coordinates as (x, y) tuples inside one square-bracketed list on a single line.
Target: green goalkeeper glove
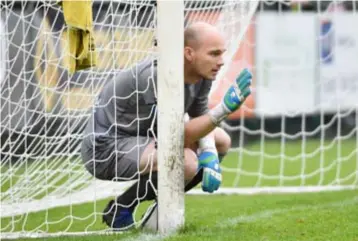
[(234, 97)]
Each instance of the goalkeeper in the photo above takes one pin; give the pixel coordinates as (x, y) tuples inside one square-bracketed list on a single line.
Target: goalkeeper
[(119, 142)]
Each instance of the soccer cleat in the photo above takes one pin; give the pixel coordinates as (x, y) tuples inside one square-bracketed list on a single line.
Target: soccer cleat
[(150, 218), (238, 92), (117, 217)]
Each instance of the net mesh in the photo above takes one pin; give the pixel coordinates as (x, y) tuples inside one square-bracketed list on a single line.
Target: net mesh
[(297, 132), (44, 109)]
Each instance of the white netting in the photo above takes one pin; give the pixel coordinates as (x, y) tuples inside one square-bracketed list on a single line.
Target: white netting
[(304, 132), (298, 131), (44, 109)]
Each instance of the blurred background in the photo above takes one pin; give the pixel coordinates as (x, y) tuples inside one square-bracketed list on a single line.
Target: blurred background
[(297, 132), (303, 55)]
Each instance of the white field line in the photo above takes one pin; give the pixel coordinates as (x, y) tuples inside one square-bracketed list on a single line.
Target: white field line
[(146, 237), (269, 213)]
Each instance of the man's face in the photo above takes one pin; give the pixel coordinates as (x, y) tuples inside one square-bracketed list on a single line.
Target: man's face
[(208, 57)]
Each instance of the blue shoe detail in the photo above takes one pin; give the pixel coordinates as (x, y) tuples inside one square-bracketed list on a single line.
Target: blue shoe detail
[(117, 217), (123, 220)]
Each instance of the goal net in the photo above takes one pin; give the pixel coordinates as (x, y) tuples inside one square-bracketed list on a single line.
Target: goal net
[(297, 132)]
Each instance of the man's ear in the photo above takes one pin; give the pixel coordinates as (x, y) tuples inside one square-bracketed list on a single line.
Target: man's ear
[(188, 53)]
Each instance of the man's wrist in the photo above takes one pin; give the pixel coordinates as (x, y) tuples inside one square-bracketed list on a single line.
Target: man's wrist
[(218, 114)]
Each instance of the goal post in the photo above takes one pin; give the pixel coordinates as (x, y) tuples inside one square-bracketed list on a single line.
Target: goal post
[(170, 39), (296, 133), (44, 109)]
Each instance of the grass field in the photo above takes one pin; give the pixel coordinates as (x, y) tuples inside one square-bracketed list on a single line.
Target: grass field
[(305, 216)]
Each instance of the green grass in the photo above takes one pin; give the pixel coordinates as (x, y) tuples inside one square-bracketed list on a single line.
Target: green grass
[(306, 216), (329, 162), (315, 216)]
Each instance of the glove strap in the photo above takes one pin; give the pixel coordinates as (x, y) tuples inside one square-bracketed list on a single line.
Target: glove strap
[(218, 114), (207, 144)]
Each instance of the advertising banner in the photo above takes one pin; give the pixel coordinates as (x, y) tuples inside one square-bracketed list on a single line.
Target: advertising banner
[(338, 88), (285, 64)]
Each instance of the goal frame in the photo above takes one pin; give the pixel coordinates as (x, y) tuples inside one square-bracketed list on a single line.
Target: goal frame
[(170, 81)]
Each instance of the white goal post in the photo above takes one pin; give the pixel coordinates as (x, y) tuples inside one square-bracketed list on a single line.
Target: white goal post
[(296, 133), (170, 115)]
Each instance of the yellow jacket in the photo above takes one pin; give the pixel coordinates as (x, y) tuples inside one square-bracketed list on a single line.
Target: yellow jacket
[(78, 17)]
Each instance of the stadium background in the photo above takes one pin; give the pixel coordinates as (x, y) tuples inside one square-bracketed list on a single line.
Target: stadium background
[(44, 71)]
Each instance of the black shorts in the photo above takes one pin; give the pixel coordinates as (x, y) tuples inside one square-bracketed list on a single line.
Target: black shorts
[(115, 159)]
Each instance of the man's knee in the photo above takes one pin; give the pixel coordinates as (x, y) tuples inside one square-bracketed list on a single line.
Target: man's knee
[(190, 164), (148, 160), (222, 140)]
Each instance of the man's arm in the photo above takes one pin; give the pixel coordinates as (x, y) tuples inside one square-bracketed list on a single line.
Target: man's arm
[(200, 129), (235, 96), (197, 128)]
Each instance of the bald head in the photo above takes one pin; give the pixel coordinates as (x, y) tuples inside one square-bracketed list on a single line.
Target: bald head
[(196, 33), (204, 46)]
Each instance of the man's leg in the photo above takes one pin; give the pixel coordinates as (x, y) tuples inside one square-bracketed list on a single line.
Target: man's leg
[(145, 188), (222, 142)]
